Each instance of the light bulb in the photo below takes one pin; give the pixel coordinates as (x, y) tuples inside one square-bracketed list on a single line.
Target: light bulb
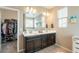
[(47, 14), (44, 13), (27, 9), (31, 10), (34, 10)]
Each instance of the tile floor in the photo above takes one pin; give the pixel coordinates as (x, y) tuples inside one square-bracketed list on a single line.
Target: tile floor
[(53, 49), (9, 47)]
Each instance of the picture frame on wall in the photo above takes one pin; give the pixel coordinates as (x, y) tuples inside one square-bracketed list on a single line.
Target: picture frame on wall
[(73, 19)]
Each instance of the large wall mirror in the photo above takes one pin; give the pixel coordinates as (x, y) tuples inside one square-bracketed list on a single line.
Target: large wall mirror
[(34, 20)]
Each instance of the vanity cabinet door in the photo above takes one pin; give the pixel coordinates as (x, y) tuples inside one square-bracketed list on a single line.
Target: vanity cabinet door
[(37, 44), (29, 46), (44, 41), (51, 39)]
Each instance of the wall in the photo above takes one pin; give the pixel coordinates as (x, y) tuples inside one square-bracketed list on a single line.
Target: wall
[(8, 14), (49, 20), (74, 28), (63, 35)]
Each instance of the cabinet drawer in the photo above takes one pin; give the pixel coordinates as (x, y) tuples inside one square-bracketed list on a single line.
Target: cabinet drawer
[(75, 45), (76, 50), (75, 40)]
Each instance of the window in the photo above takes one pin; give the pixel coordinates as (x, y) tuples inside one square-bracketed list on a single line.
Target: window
[(62, 17)]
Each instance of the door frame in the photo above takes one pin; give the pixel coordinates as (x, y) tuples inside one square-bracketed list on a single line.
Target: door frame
[(18, 18)]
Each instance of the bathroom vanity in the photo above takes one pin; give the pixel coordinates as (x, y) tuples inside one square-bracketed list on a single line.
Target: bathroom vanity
[(36, 42)]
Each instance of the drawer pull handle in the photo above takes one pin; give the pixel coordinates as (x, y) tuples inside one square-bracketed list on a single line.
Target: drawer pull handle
[(76, 38), (76, 47), (77, 43)]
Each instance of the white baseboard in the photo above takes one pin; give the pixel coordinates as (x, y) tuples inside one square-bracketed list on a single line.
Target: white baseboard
[(22, 50), (64, 48)]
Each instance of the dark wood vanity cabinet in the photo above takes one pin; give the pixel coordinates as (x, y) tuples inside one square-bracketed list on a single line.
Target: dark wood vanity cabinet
[(35, 43)]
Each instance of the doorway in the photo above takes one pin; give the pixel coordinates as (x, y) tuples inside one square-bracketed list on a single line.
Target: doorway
[(9, 32)]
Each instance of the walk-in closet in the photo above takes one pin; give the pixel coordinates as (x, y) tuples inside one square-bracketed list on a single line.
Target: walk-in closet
[(8, 30)]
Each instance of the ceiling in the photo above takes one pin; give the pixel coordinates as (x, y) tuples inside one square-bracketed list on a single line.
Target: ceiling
[(48, 7)]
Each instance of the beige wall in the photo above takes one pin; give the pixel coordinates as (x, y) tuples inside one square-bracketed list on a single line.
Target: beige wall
[(74, 11), (64, 35), (8, 14), (49, 20)]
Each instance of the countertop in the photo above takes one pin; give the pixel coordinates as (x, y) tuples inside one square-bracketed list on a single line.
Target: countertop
[(34, 34)]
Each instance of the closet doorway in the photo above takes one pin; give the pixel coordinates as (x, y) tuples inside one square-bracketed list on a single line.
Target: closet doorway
[(9, 26)]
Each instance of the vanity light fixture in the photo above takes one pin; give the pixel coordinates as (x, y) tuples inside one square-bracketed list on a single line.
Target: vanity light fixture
[(30, 9)]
